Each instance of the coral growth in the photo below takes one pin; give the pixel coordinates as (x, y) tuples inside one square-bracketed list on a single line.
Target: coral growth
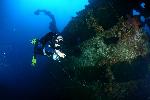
[(110, 59), (129, 45), (101, 54)]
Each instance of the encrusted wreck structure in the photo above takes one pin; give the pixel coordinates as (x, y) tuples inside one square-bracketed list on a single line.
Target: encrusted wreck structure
[(108, 55)]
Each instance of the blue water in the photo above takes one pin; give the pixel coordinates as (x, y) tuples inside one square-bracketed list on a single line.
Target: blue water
[(18, 26)]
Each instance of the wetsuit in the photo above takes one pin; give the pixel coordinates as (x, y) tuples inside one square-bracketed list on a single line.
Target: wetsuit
[(46, 43)]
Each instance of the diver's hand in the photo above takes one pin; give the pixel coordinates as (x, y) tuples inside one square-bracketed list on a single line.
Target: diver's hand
[(60, 54)]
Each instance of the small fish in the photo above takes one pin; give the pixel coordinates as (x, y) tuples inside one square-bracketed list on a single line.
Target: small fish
[(135, 12), (142, 5), (147, 29), (142, 18)]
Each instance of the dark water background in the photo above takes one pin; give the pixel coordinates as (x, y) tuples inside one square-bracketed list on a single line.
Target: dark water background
[(18, 26)]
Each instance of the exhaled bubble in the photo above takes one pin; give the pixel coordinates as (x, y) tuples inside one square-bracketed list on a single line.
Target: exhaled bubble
[(3, 59), (5, 50)]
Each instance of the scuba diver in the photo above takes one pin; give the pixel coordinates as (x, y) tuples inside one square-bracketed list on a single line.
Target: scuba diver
[(49, 45)]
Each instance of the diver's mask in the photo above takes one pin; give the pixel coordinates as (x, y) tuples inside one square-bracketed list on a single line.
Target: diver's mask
[(59, 38), (58, 41)]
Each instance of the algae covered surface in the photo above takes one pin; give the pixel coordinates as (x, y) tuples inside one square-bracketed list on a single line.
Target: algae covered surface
[(108, 56)]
